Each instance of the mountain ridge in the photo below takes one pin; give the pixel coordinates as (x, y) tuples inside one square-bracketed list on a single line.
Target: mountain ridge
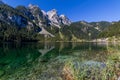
[(33, 23)]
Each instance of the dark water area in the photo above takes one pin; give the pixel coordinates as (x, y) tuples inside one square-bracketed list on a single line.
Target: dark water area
[(57, 61)]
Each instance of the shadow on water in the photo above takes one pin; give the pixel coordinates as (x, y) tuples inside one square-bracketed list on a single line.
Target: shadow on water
[(27, 60)]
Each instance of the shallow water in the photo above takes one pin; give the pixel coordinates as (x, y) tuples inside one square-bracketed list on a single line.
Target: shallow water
[(59, 61)]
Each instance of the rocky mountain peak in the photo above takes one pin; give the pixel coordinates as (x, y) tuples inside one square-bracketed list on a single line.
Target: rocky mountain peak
[(56, 19), (44, 13), (52, 13), (31, 6), (38, 16), (65, 20), (62, 16)]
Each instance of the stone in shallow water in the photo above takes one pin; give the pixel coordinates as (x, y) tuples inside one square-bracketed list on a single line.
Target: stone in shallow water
[(94, 64)]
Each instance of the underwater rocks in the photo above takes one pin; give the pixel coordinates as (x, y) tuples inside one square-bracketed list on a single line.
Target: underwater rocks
[(68, 68)]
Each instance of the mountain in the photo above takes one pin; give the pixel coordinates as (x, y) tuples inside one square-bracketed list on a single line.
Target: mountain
[(32, 18), (50, 18), (101, 25), (34, 24), (89, 29), (15, 25), (111, 31), (79, 31)]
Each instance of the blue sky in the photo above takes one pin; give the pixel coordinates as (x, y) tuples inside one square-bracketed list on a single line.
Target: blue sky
[(76, 10)]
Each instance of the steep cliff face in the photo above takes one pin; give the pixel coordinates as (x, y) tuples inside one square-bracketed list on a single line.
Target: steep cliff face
[(56, 19), (11, 16), (65, 20)]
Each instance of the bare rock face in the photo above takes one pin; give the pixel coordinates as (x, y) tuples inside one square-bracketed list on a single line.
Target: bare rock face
[(65, 20), (48, 18), (56, 19)]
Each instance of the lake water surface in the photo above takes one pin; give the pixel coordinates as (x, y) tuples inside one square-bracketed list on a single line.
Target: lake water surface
[(59, 61)]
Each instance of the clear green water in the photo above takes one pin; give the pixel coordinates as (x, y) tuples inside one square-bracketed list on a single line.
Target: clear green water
[(59, 61)]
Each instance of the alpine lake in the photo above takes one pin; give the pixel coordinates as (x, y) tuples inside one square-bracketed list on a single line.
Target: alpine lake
[(60, 61)]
